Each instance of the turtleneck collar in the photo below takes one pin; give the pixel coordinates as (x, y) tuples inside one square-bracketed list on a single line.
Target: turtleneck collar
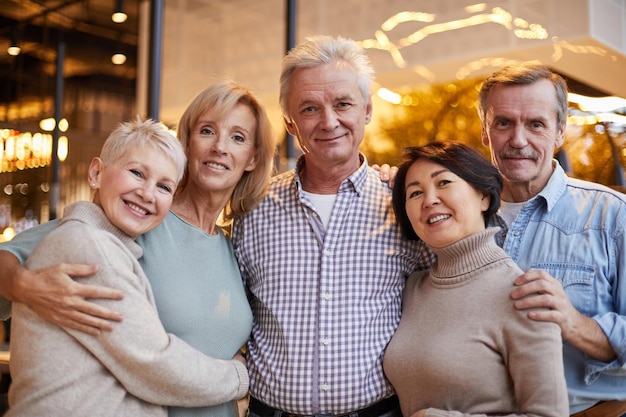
[(464, 259)]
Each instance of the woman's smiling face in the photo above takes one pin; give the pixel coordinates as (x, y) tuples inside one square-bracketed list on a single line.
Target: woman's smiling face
[(443, 208)]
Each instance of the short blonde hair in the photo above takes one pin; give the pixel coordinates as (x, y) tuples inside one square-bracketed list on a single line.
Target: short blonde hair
[(222, 98), (147, 132)]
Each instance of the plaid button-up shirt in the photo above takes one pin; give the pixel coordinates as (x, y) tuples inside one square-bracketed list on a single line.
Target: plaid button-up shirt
[(325, 301)]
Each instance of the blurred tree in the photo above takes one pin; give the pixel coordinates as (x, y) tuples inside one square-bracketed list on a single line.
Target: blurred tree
[(449, 112), (438, 112)]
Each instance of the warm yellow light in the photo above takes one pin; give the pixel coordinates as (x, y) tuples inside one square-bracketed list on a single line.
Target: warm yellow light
[(64, 125), (10, 148), (597, 104), (47, 124), (119, 17), (13, 50), (389, 96), (118, 59), (8, 234), (62, 149)]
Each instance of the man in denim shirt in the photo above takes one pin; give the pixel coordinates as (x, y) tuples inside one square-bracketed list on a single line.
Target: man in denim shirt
[(569, 235)]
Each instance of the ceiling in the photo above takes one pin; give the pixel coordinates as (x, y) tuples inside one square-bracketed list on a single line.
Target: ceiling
[(90, 38), (246, 37)]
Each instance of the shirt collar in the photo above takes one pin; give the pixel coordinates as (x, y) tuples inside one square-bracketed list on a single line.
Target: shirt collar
[(555, 188), (356, 181)]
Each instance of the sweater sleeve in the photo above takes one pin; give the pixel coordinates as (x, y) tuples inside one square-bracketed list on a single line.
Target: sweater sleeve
[(155, 366)]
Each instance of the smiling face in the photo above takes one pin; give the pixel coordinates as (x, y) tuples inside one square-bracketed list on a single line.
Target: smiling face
[(136, 190), (220, 151), (328, 114), (522, 132), (442, 207)]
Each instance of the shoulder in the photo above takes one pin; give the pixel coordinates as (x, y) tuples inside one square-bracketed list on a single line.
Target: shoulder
[(77, 242)]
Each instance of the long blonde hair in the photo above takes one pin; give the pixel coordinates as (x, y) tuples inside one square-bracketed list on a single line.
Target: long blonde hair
[(221, 98)]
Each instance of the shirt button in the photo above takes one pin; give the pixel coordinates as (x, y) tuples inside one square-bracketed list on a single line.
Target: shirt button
[(328, 252), (325, 387), (326, 342), (327, 296)]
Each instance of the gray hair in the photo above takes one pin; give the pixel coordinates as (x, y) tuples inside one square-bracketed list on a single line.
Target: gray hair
[(322, 49), (524, 74)]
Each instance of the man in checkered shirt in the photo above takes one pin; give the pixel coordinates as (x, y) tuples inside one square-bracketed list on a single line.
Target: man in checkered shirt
[(322, 257)]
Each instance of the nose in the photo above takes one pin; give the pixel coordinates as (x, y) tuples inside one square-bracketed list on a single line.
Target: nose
[(518, 140), (219, 144), (146, 192), (431, 199), (329, 119)]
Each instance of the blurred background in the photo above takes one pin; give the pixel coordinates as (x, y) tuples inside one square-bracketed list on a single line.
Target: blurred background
[(69, 61)]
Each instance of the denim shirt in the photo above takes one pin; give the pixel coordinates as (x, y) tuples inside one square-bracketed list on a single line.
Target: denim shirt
[(575, 230)]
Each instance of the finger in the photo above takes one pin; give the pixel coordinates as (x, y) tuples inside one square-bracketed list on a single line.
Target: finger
[(393, 172), (536, 301), (92, 291), (76, 325), (376, 167), (384, 172), (546, 315), (91, 313), (78, 270)]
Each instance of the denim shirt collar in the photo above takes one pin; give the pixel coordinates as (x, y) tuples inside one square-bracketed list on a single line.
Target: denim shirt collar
[(555, 188)]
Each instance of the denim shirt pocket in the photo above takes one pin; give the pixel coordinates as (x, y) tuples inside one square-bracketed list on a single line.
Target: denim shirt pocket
[(577, 281)]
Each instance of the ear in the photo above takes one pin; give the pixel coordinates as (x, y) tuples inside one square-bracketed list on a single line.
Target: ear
[(485, 202), (368, 110), (95, 172), (252, 164), (560, 136), (484, 136), (291, 127)]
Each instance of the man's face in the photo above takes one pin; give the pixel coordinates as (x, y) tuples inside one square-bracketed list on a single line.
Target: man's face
[(328, 113), (522, 132)]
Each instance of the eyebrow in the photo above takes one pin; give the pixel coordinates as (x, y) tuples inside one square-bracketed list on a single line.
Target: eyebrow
[(433, 175)]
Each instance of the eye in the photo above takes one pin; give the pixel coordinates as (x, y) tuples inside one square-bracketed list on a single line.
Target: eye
[(207, 131), (239, 138), (414, 194), (443, 182), (137, 173), (502, 123), (344, 105), (536, 125), (165, 188), (309, 109)]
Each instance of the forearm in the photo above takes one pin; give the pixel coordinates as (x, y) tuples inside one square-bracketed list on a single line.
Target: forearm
[(587, 336), (10, 276)]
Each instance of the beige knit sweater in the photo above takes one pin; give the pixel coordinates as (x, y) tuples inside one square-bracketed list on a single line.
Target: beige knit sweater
[(462, 349), (131, 371)]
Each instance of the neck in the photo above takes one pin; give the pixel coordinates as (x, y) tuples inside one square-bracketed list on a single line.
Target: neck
[(201, 209), (319, 179)]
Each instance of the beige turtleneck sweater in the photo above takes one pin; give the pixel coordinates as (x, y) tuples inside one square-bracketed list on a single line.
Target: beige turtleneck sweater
[(462, 349)]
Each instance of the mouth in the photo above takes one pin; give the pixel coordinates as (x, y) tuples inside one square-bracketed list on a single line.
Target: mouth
[(438, 218), (215, 165), (136, 208)]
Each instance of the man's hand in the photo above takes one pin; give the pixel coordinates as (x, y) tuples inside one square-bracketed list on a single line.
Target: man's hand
[(538, 289), (56, 297), (387, 173)]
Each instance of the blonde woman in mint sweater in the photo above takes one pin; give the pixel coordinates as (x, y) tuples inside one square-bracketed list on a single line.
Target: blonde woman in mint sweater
[(461, 348)]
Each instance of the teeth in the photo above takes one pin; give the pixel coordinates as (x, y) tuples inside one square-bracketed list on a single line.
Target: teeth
[(137, 208), (438, 218), (216, 166)]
